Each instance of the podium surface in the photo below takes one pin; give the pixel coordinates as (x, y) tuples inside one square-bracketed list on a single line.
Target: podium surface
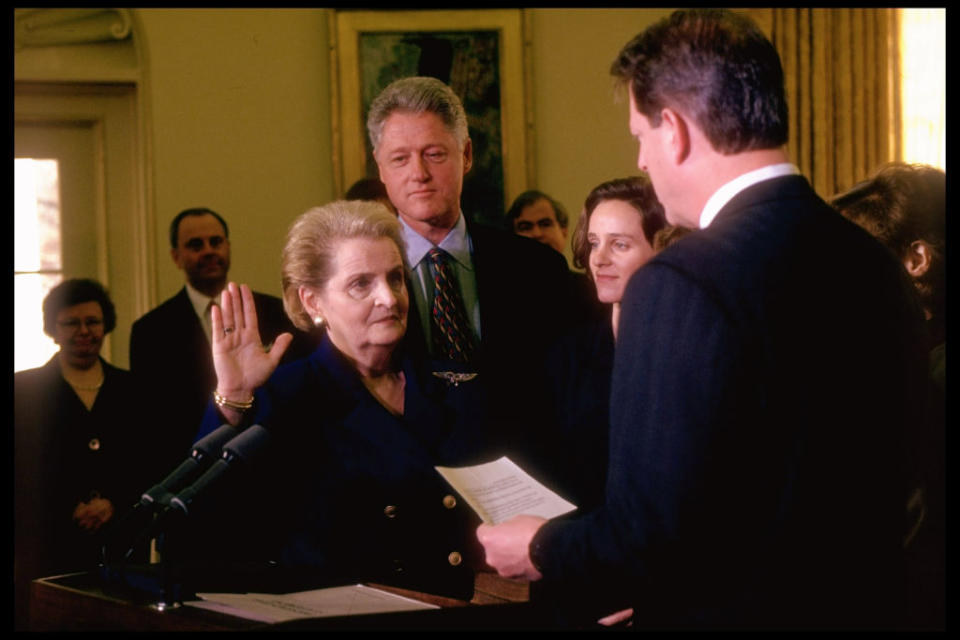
[(83, 602)]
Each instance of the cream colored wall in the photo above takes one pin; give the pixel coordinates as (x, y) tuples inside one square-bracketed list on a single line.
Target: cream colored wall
[(239, 103), (236, 108), (581, 134)]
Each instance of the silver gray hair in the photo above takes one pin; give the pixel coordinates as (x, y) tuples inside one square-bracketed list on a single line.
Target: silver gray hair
[(312, 242), (418, 94)]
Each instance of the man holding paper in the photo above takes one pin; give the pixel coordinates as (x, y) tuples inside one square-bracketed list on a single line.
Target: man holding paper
[(765, 369)]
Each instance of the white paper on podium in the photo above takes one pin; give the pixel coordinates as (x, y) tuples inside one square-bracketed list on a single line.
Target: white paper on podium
[(499, 490), (317, 603)]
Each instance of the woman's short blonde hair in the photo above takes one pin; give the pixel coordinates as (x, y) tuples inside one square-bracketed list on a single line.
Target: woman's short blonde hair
[(312, 242)]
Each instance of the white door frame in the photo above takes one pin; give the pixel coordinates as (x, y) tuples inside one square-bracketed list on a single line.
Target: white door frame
[(125, 263)]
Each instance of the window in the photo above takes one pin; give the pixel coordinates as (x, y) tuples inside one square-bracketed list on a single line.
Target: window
[(37, 264), (923, 85)]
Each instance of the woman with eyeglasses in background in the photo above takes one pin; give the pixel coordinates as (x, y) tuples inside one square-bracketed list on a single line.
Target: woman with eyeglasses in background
[(78, 462)]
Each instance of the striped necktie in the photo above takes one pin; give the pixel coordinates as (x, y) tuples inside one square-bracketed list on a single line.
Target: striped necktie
[(452, 337)]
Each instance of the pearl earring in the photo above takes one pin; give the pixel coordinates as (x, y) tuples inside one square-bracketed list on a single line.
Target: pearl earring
[(318, 321)]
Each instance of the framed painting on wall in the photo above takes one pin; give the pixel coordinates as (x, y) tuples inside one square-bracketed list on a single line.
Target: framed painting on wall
[(478, 53)]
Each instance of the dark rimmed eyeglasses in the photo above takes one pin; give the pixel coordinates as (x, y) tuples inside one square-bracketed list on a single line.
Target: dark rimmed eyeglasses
[(74, 324)]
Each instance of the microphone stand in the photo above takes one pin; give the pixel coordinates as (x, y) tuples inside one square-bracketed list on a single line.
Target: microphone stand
[(134, 525), (170, 515), (161, 582)]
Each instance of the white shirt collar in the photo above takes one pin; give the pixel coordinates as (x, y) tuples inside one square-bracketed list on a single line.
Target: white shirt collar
[(725, 194), (199, 301), (456, 243)]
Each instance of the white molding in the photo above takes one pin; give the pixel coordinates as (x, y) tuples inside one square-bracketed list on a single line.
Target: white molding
[(52, 27)]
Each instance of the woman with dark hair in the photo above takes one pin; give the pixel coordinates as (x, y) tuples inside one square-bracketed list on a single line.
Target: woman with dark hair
[(614, 237), (75, 463)]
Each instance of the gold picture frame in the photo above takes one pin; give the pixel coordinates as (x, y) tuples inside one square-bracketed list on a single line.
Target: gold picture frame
[(372, 48)]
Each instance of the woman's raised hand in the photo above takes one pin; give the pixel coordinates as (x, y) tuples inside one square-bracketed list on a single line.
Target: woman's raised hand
[(239, 358)]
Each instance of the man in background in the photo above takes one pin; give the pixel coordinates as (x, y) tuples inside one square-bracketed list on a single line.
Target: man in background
[(170, 352), (475, 291), (371, 190), (418, 130), (536, 215)]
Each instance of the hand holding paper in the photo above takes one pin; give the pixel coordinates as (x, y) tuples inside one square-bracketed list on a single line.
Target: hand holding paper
[(507, 546), (502, 492)]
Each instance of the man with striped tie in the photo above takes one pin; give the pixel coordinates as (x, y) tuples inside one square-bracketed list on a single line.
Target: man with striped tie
[(483, 301)]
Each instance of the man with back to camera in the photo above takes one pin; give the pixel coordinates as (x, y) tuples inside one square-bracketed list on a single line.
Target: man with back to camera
[(418, 130), (764, 373), (170, 345)]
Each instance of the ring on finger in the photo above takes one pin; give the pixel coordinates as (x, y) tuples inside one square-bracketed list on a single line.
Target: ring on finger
[(227, 330)]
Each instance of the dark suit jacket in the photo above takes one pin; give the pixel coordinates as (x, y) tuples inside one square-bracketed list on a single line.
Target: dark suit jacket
[(347, 491), (527, 301), (574, 459), (170, 353), (525, 292), (63, 453), (764, 372)]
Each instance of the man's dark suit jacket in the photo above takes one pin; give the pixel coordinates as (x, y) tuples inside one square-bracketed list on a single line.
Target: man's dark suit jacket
[(764, 372), (527, 301), (170, 353), (525, 292)]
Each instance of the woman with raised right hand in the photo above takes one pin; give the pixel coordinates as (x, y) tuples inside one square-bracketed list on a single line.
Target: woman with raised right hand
[(346, 490)]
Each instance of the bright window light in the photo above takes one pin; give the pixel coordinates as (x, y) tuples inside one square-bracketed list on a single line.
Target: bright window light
[(923, 85), (37, 266)]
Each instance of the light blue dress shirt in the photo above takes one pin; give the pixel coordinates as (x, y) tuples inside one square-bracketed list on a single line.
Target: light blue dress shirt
[(457, 243)]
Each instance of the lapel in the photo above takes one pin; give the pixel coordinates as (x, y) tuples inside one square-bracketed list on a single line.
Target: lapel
[(413, 340), (191, 333), (481, 243)]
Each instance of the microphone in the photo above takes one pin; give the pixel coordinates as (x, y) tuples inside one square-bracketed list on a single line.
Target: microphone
[(241, 449), (203, 452)]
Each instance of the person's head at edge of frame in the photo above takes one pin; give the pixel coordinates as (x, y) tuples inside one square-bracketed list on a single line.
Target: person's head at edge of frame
[(342, 269), (418, 131), (615, 235), (371, 190), (200, 247), (707, 103), (536, 215), (904, 206), (78, 314)]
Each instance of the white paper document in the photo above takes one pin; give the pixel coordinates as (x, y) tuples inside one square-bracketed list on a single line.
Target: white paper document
[(499, 490), (318, 603)]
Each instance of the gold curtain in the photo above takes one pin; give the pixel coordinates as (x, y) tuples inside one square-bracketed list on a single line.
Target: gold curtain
[(841, 70)]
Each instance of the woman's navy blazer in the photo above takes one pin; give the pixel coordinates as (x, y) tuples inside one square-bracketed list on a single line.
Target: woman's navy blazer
[(346, 491)]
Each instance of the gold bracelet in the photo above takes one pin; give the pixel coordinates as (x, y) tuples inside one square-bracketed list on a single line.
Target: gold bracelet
[(222, 402)]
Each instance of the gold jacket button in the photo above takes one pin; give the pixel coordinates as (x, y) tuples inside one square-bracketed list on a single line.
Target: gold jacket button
[(454, 558), (94, 444), (449, 501), (390, 511)]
